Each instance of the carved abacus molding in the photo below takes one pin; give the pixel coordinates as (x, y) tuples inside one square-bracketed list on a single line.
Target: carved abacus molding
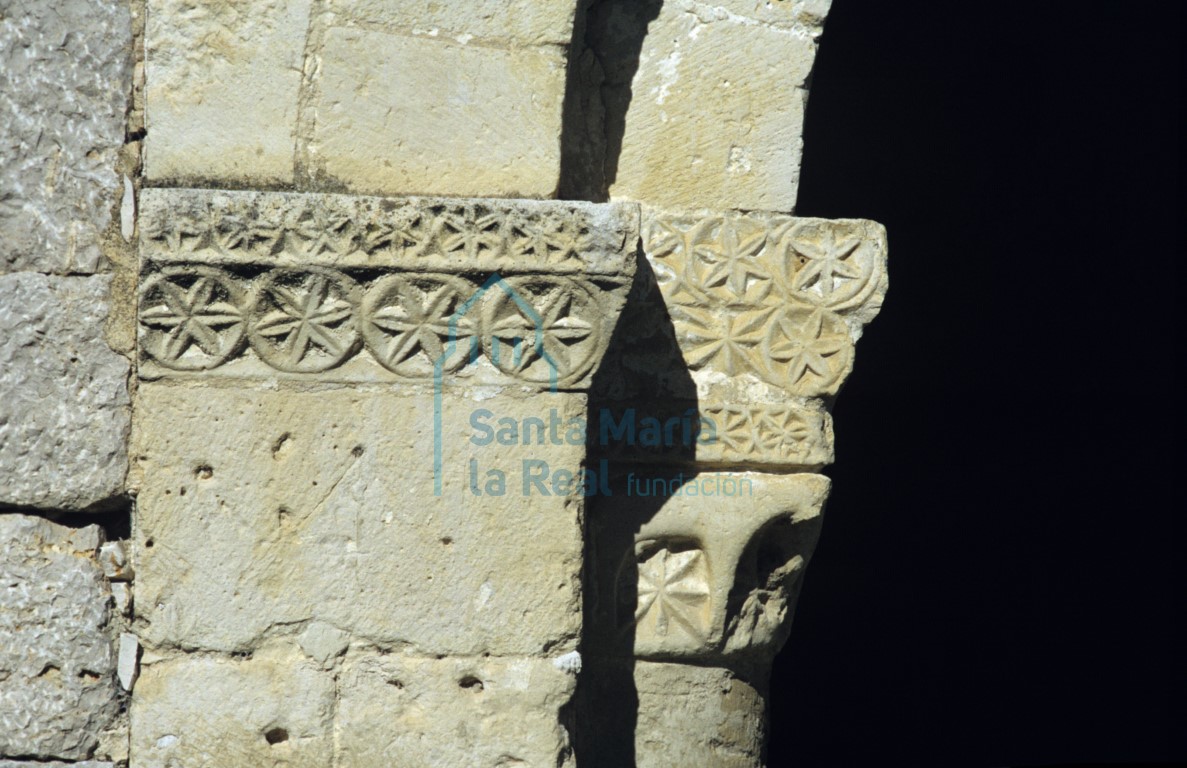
[(249, 284), (786, 435), (429, 234), (777, 297)]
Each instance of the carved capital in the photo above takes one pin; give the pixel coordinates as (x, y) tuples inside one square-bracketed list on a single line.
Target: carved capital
[(702, 566)]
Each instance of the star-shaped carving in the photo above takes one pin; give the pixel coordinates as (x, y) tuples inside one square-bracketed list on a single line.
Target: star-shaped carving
[(319, 229), (472, 232), (249, 233), (829, 266), (673, 591), (409, 323), (779, 432), (552, 238), (304, 321), (809, 348), (394, 233), (557, 336), (191, 327), (721, 339), (671, 245), (730, 268)]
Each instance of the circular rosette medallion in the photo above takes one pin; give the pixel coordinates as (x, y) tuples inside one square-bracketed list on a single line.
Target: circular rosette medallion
[(835, 267), (808, 350), (303, 320), (541, 329), (414, 323), (191, 318)]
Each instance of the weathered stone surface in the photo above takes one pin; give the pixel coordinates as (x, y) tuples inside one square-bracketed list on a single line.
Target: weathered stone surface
[(65, 80), (518, 22), (525, 292), (766, 306), (204, 711), (416, 115), (54, 764), (223, 80), (690, 123), (691, 715), (701, 565), (63, 394), (659, 715), (262, 508), (422, 234), (403, 711), (57, 663)]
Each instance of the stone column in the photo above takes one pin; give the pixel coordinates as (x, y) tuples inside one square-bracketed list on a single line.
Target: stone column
[(716, 420)]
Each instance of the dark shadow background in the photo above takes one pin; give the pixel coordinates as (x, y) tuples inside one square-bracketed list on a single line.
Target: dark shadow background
[(999, 579)]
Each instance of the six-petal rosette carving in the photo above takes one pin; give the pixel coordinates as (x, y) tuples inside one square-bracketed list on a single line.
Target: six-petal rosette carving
[(774, 297)]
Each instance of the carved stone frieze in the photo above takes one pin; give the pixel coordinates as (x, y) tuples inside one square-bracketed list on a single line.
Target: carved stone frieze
[(715, 433), (369, 289)]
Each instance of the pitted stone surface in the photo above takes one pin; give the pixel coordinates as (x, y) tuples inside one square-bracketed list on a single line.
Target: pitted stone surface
[(63, 394), (65, 81), (57, 663), (260, 509), (54, 764), (397, 710), (205, 711)]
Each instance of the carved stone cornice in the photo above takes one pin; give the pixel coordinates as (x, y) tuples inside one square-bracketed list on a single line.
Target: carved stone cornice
[(358, 289)]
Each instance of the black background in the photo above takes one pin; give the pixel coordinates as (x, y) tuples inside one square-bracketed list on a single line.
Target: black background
[(999, 577)]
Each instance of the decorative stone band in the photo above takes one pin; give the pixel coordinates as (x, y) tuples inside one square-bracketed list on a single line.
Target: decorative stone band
[(422, 234), (714, 434), (774, 299), (249, 284), (700, 565)]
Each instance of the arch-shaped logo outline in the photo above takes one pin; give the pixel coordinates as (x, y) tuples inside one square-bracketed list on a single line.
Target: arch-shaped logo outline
[(451, 346)]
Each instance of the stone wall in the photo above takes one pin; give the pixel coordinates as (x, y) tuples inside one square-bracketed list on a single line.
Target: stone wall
[(67, 180), (474, 372)]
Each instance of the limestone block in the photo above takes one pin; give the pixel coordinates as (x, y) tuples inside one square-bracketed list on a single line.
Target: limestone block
[(63, 394), (65, 80), (401, 114), (57, 663), (701, 125), (204, 711), (222, 90), (703, 716), (263, 508), (515, 22), (658, 715), (408, 711), (701, 564), (54, 764)]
